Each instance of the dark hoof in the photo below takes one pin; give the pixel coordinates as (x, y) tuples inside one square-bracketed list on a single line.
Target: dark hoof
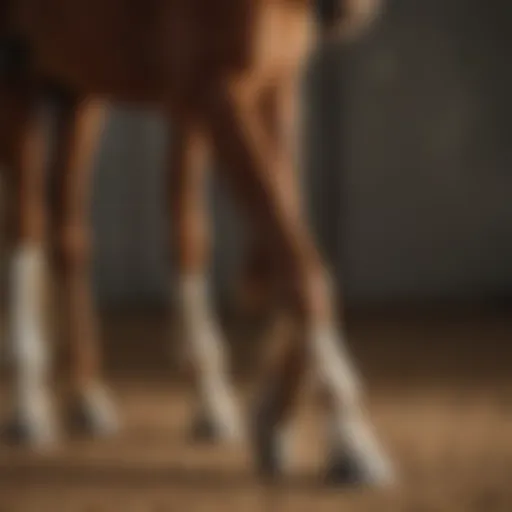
[(351, 471), (267, 445), (203, 430), (345, 470), (79, 419), (21, 432), (17, 432), (85, 419)]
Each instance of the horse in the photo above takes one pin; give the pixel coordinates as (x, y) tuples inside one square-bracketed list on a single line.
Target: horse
[(225, 74)]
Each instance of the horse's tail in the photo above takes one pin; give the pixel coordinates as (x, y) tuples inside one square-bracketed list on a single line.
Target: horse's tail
[(347, 18)]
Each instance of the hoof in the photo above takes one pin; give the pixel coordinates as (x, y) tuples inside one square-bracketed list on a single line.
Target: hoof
[(268, 444), (349, 470), (37, 433), (345, 471), (269, 459), (93, 414), (205, 429)]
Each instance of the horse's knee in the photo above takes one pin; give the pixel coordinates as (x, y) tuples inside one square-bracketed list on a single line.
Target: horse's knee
[(255, 286), (189, 230), (189, 242), (71, 248), (310, 292)]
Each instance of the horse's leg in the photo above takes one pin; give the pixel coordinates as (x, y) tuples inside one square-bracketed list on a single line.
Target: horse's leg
[(278, 108), (203, 342), (23, 152), (5, 209), (252, 165), (79, 124)]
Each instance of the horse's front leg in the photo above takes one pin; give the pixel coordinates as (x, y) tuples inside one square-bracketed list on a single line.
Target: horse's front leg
[(23, 145), (79, 125), (253, 166), (279, 113), (201, 337)]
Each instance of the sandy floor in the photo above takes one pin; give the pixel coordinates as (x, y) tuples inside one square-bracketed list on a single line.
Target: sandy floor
[(451, 438)]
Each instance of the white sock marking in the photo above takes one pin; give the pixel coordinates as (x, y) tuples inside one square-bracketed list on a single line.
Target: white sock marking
[(99, 405), (349, 429), (27, 335), (205, 349)]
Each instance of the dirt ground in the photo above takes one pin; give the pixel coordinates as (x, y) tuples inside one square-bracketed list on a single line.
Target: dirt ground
[(439, 392)]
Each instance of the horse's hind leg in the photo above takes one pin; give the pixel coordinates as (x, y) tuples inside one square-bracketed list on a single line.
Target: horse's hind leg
[(252, 167), (79, 125), (23, 154), (202, 340)]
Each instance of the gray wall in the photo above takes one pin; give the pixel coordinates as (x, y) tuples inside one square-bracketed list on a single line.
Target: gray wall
[(428, 182), (408, 165)]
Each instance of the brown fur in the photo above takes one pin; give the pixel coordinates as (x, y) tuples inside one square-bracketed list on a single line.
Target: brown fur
[(224, 72)]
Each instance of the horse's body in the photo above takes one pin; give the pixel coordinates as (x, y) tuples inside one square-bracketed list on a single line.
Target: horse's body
[(160, 53), (225, 72)]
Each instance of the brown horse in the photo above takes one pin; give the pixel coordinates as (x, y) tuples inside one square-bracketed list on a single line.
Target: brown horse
[(225, 72)]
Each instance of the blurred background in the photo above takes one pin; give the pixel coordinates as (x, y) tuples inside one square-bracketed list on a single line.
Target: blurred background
[(407, 159)]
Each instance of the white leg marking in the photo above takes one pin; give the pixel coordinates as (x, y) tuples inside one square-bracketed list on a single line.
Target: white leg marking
[(350, 432), (99, 409), (30, 350), (204, 347)]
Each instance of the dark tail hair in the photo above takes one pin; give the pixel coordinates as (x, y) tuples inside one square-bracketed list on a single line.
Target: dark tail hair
[(351, 17)]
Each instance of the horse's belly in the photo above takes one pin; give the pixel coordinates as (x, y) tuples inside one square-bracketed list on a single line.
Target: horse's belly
[(122, 83), (94, 46), (103, 48)]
